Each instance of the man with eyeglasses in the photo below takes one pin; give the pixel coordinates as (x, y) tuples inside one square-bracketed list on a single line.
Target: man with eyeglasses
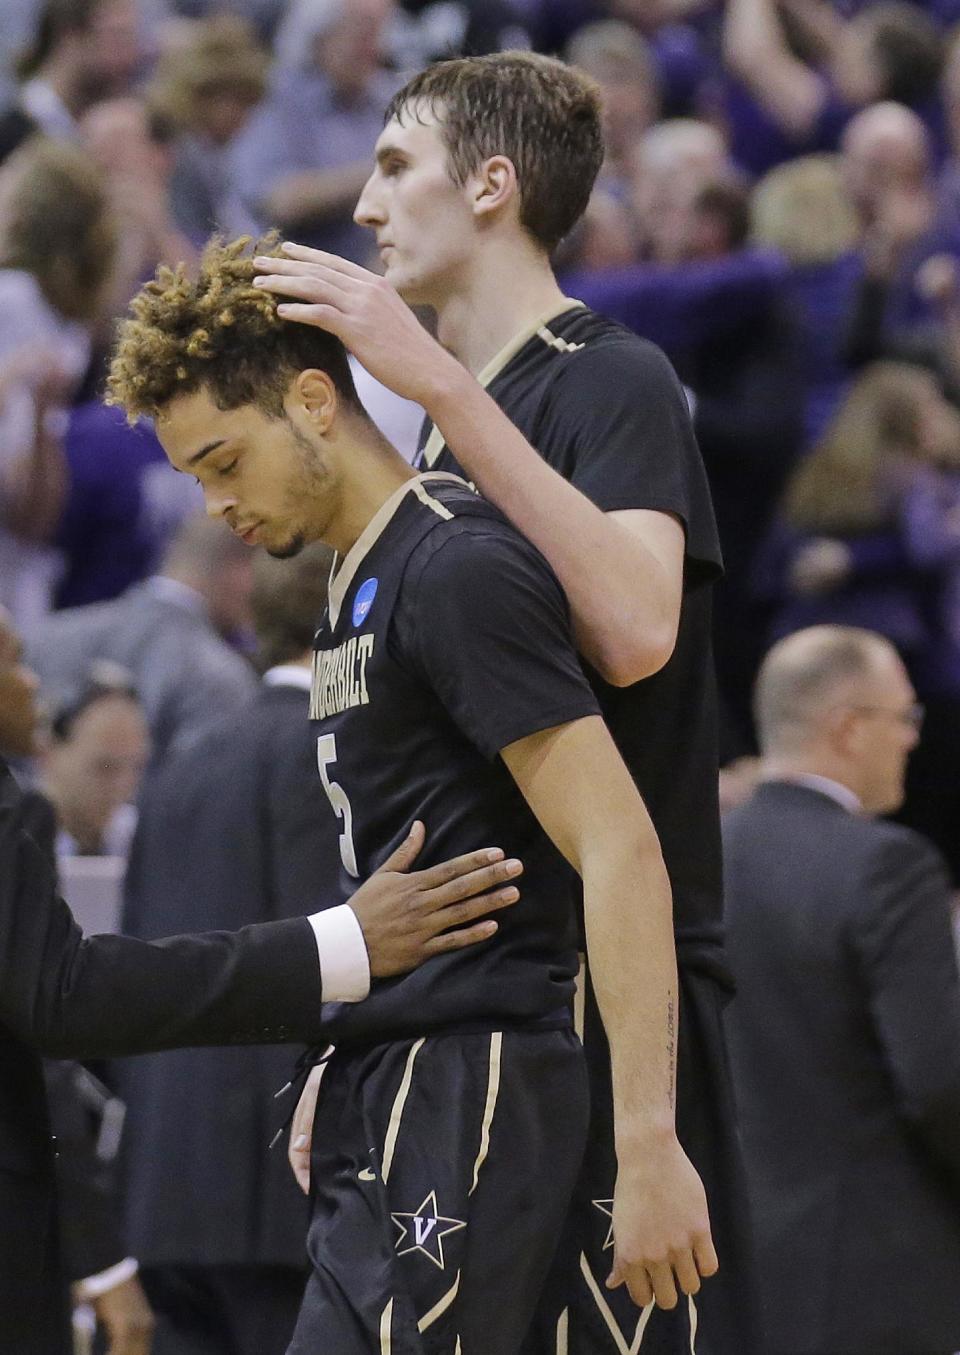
[(845, 1032)]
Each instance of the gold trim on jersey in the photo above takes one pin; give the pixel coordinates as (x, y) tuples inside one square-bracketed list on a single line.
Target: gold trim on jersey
[(340, 582), (434, 444)]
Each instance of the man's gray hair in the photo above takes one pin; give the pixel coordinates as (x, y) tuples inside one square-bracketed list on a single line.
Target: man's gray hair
[(804, 675)]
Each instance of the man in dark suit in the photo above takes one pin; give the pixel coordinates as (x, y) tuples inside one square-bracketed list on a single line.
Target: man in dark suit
[(228, 835), (846, 1027), (67, 996), (167, 632)]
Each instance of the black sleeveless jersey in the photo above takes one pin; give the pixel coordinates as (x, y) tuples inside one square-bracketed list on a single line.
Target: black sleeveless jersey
[(447, 638), (605, 409)]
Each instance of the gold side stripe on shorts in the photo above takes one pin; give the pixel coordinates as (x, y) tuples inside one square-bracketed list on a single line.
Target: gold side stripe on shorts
[(440, 1307), (396, 1114), (608, 1317), (694, 1323), (563, 1327), (386, 1329), (580, 1000), (493, 1088), (429, 501)]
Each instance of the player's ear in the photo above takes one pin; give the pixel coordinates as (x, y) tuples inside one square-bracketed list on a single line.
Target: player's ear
[(317, 395), (495, 185)]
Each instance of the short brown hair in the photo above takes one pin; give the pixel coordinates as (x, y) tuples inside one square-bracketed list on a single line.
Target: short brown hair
[(540, 113), (219, 333), (59, 225), (221, 56)]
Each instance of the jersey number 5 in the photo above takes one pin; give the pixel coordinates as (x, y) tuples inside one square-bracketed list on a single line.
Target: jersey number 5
[(339, 803)]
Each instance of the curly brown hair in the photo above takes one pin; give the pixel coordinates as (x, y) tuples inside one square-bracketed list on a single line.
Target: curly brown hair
[(220, 333), (541, 114)]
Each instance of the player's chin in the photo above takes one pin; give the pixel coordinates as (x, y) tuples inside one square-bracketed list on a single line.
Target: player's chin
[(285, 550)]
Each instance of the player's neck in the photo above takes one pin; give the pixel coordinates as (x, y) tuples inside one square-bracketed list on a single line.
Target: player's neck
[(372, 472), (504, 293)]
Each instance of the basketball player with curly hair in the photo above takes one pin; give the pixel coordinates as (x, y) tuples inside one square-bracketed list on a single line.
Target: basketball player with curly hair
[(446, 686)]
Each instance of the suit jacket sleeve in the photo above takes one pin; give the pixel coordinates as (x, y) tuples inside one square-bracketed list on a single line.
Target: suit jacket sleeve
[(107, 996), (905, 945)]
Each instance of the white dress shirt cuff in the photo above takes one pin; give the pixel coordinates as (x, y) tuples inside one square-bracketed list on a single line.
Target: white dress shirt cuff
[(95, 1285), (344, 963)]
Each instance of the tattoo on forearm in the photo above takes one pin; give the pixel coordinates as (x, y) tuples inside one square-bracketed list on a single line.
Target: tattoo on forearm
[(671, 1052)]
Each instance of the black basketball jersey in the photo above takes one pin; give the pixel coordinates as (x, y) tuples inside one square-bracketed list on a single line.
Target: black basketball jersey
[(447, 638), (605, 409)]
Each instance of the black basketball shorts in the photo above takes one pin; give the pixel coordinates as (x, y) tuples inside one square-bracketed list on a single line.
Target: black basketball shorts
[(442, 1170)]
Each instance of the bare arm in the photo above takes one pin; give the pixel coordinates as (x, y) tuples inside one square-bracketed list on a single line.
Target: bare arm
[(578, 787), (36, 484), (622, 572), (756, 51)]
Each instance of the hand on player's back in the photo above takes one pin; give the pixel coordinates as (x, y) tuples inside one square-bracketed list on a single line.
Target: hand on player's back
[(402, 913), (661, 1227)]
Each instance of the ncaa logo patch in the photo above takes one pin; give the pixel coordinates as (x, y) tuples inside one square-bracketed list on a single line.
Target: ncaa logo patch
[(363, 600)]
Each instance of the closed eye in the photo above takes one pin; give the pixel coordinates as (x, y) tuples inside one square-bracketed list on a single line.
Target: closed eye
[(230, 466)]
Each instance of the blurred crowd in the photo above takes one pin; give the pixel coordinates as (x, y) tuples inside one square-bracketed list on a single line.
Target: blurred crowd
[(779, 210)]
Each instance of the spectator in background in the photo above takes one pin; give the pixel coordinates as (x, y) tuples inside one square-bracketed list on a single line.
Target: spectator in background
[(845, 1029), (429, 30), (57, 237), (124, 504), (93, 763), (618, 59), (804, 211), (167, 632), (887, 163), (84, 50), (303, 158), (228, 836), (780, 105), (208, 87), (838, 555), (133, 145), (869, 538), (682, 60), (673, 161)]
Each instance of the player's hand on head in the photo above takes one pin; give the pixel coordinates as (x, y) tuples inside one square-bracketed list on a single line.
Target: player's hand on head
[(363, 310), (406, 915), (661, 1226)]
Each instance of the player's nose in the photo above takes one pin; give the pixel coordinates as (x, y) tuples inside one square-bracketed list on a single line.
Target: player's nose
[(368, 211), (217, 505)]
